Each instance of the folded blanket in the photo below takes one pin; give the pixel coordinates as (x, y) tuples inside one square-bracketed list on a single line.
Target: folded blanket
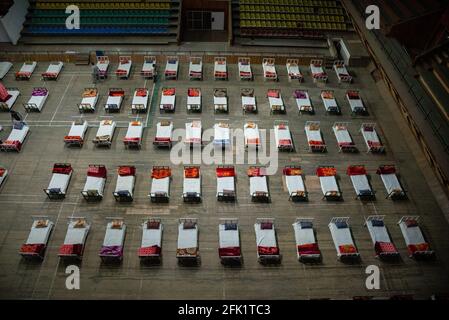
[(192, 252), (141, 92), (384, 247), (309, 248), (168, 92), (192, 172), (71, 249), (32, 248), (347, 248), (229, 252), (419, 247), (160, 173), (148, 251), (225, 172), (39, 92), (292, 171), (265, 251), (326, 171), (113, 251)]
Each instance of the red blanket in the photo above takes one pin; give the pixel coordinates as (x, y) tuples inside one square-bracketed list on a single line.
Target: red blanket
[(160, 173), (32, 248), (326, 171), (265, 251), (309, 248), (148, 251), (386, 170), (420, 247), (225, 172), (126, 171), (71, 249), (292, 171), (384, 247), (356, 170), (229, 252), (97, 171), (62, 169), (347, 248)]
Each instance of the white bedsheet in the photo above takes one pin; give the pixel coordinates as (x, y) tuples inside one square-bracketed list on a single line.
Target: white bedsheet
[(340, 236), (170, 100), (125, 183), (106, 130), (103, 66), (329, 103), (328, 184), (192, 185), (225, 183), (412, 235), (282, 134), (342, 136), (114, 237), (313, 135), (221, 134), (95, 183), (251, 101), (140, 100), (258, 184), (39, 235), (92, 101), (294, 184), (356, 104), (59, 181), (171, 66), (151, 237), (391, 182), (265, 238), (18, 135), (303, 236), (28, 67), (228, 238), (360, 182), (55, 67), (160, 185), (164, 131), (76, 235), (187, 238), (78, 130), (195, 67), (378, 234), (370, 136), (114, 100), (10, 102), (134, 131), (38, 101), (4, 68), (316, 70)]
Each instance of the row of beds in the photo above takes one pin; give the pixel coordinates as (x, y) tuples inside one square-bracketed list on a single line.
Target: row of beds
[(194, 134), (293, 180), (229, 251), (149, 70)]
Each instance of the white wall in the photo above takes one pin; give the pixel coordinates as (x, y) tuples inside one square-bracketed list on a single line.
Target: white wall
[(11, 24)]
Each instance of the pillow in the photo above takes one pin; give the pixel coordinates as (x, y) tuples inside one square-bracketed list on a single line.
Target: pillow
[(266, 226), (230, 226), (377, 223), (18, 125), (80, 223), (116, 224), (306, 225), (41, 224), (411, 223), (189, 225), (55, 190), (153, 225), (341, 225)]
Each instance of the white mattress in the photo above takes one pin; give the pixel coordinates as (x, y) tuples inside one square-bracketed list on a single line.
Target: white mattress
[(293, 69), (244, 67), (329, 103), (340, 236), (303, 102), (18, 135), (171, 66), (228, 238), (193, 100), (168, 100), (378, 234), (282, 134), (258, 184), (360, 182), (219, 67), (313, 135), (265, 238), (251, 101), (125, 183), (151, 237), (316, 70), (251, 133), (114, 100), (4, 68), (114, 237), (10, 102), (303, 236), (103, 66), (341, 70), (134, 131), (294, 184), (38, 101), (106, 130), (193, 132), (95, 183), (391, 182), (412, 235), (125, 66), (55, 67), (160, 185), (60, 181), (78, 130), (3, 177), (356, 104), (275, 101), (192, 185), (225, 183), (187, 238), (140, 100), (39, 235), (221, 134), (342, 136), (220, 100), (28, 67), (370, 136), (268, 68), (195, 67), (76, 235), (164, 131), (148, 67), (328, 184), (92, 101)]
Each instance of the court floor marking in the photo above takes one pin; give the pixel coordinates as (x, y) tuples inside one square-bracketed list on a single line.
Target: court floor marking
[(62, 99)]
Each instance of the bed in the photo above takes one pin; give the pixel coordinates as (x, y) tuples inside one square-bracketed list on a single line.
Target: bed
[(191, 190), (194, 133), (124, 188), (258, 184), (328, 181), (187, 251), (75, 239), (124, 67), (26, 70), (196, 68), (269, 69), (60, 180), (372, 140), (171, 68), (115, 99), (221, 100), (245, 72), (89, 100), (193, 100), (356, 102), (149, 67), (8, 97), (37, 100), (383, 246), (341, 71), (329, 102), (293, 70), (114, 239), (140, 100), (303, 101), (168, 100), (35, 245), (342, 237), (220, 68), (266, 241), (160, 184), (53, 71), (317, 70), (314, 137), (105, 133), (151, 246), (164, 134), (5, 66), (133, 137), (394, 189), (282, 135), (16, 138), (276, 102), (295, 183), (360, 182), (344, 139), (226, 183), (252, 135), (307, 248), (103, 66), (76, 134), (3, 175), (95, 182), (248, 100), (417, 245), (229, 241), (222, 135)]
